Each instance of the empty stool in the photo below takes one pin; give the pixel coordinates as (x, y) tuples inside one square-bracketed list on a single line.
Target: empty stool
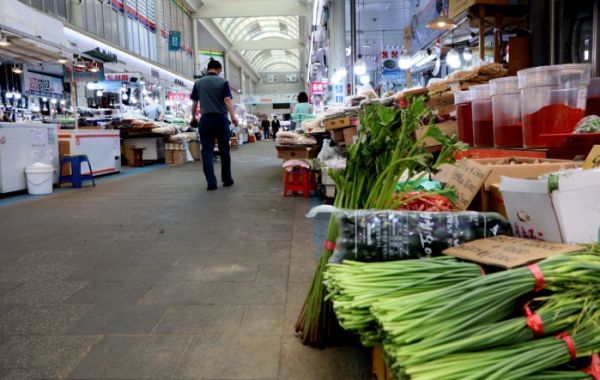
[(138, 157), (309, 182), (76, 178)]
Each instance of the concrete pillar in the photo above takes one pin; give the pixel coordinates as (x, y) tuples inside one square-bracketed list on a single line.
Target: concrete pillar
[(243, 89), (226, 64), (337, 50), (75, 9), (158, 26), (195, 48)]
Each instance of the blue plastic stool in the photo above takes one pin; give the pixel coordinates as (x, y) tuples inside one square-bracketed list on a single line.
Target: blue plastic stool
[(76, 178)]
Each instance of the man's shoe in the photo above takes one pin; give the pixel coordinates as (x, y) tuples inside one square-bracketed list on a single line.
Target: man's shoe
[(227, 184), (212, 187)]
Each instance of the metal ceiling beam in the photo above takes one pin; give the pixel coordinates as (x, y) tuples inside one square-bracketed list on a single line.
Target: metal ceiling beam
[(267, 44), (257, 8)]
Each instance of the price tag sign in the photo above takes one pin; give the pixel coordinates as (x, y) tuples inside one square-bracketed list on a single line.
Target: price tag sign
[(510, 252), (468, 177), (592, 161)]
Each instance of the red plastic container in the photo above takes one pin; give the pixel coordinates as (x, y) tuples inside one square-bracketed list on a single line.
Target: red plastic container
[(464, 116), (568, 145)]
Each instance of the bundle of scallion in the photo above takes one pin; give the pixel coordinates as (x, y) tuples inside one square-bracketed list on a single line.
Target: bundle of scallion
[(354, 286), (559, 375), (480, 300), (385, 150)]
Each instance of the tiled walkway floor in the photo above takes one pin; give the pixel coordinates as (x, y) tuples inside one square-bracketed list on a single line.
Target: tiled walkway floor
[(153, 277)]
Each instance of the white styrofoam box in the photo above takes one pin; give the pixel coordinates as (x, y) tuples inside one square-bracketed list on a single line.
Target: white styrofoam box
[(18, 16), (569, 215)]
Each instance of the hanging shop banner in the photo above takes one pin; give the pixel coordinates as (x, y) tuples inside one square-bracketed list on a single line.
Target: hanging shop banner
[(178, 97), (318, 88), (268, 98), (338, 93), (390, 62), (43, 85), (422, 12), (85, 74), (174, 41), (119, 77)]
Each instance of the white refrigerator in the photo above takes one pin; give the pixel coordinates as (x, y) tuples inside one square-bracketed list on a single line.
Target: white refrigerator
[(18, 141)]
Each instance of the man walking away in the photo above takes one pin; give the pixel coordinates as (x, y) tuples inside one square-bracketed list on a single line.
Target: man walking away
[(275, 125), (215, 98), (265, 125), (153, 111)]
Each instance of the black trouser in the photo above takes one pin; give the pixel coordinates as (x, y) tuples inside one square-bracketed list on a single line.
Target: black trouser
[(267, 133), (275, 130)]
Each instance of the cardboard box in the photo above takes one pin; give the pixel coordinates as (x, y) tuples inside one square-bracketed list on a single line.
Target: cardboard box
[(293, 152), (349, 134), (338, 136), (338, 123), (176, 157), (496, 201), (448, 128), (127, 152), (568, 214), (176, 146), (195, 150), (443, 102)]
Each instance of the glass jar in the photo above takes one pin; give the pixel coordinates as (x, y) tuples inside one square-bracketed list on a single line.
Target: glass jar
[(483, 117), (464, 116), (553, 100), (506, 104)]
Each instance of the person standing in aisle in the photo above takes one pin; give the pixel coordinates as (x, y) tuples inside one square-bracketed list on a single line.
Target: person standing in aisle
[(301, 110), (275, 124), (153, 111), (215, 98), (265, 125)]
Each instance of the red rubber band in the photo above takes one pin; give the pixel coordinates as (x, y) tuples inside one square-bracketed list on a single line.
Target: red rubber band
[(539, 277), (569, 342), (482, 271), (594, 369), (329, 245), (534, 322)]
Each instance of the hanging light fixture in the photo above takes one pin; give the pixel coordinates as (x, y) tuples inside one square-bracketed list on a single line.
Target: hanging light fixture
[(364, 79), (360, 68), (3, 40), (133, 100), (453, 58), (442, 22), (62, 58), (36, 108), (468, 53), (404, 61), (144, 92), (90, 85), (17, 95), (94, 68), (45, 108), (9, 94), (99, 93), (44, 99), (53, 101), (125, 97), (63, 102), (341, 71), (17, 69)]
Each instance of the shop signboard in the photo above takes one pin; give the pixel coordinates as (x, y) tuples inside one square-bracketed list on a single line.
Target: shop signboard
[(390, 62), (338, 93), (318, 88), (268, 98), (85, 74), (174, 41), (117, 77), (178, 97), (423, 11), (43, 85)]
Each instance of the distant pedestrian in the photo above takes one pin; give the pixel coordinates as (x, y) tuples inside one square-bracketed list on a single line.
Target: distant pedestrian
[(266, 126), (153, 111), (275, 124), (215, 98)]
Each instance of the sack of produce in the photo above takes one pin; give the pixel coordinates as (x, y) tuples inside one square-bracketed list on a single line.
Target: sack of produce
[(589, 124), (371, 235)]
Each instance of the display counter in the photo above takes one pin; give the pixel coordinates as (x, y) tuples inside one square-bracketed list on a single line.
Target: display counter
[(103, 148)]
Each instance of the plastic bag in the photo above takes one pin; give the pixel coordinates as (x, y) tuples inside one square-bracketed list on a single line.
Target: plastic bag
[(354, 100), (589, 124), (327, 152), (368, 91), (39, 158), (371, 235)]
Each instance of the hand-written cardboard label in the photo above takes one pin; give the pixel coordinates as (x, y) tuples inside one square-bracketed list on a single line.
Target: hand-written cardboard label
[(510, 252), (592, 161), (468, 178)]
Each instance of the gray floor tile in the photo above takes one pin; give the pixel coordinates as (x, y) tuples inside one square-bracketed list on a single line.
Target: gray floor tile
[(42, 292), (242, 246), (131, 357), (51, 356), (119, 319), (251, 293), (201, 320), (3, 339), (45, 258), (230, 357), (227, 273), (163, 257), (110, 292), (263, 320), (208, 258), (41, 320), (21, 374), (104, 258), (172, 273), (27, 273), (5, 287), (5, 308), (264, 257), (264, 236), (273, 273), (104, 273), (3, 373), (181, 293)]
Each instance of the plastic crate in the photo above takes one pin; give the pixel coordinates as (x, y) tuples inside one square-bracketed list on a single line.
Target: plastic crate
[(568, 145)]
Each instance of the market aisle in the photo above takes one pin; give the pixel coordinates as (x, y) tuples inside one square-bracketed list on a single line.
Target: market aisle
[(153, 277)]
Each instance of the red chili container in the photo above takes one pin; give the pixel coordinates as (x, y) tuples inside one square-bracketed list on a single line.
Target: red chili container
[(464, 116), (568, 145), (553, 100), (506, 104), (592, 106), (483, 117)]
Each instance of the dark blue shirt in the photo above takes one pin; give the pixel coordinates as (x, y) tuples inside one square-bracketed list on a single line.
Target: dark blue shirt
[(211, 91)]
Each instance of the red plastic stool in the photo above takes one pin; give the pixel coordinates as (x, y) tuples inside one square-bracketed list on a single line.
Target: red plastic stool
[(309, 182)]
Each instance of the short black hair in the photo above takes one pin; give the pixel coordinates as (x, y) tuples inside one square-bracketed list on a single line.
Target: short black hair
[(302, 97), (214, 65), (275, 117)]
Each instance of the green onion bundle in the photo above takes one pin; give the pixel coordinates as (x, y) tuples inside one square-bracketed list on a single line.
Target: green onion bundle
[(354, 286), (559, 375), (385, 150), (479, 300)]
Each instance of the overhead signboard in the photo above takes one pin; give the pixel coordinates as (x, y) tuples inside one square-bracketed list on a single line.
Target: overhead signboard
[(423, 11), (390, 59), (43, 85), (268, 98), (174, 41), (318, 88), (85, 74), (178, 97)]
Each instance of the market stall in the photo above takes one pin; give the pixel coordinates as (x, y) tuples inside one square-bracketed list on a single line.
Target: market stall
[(103, 148)]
